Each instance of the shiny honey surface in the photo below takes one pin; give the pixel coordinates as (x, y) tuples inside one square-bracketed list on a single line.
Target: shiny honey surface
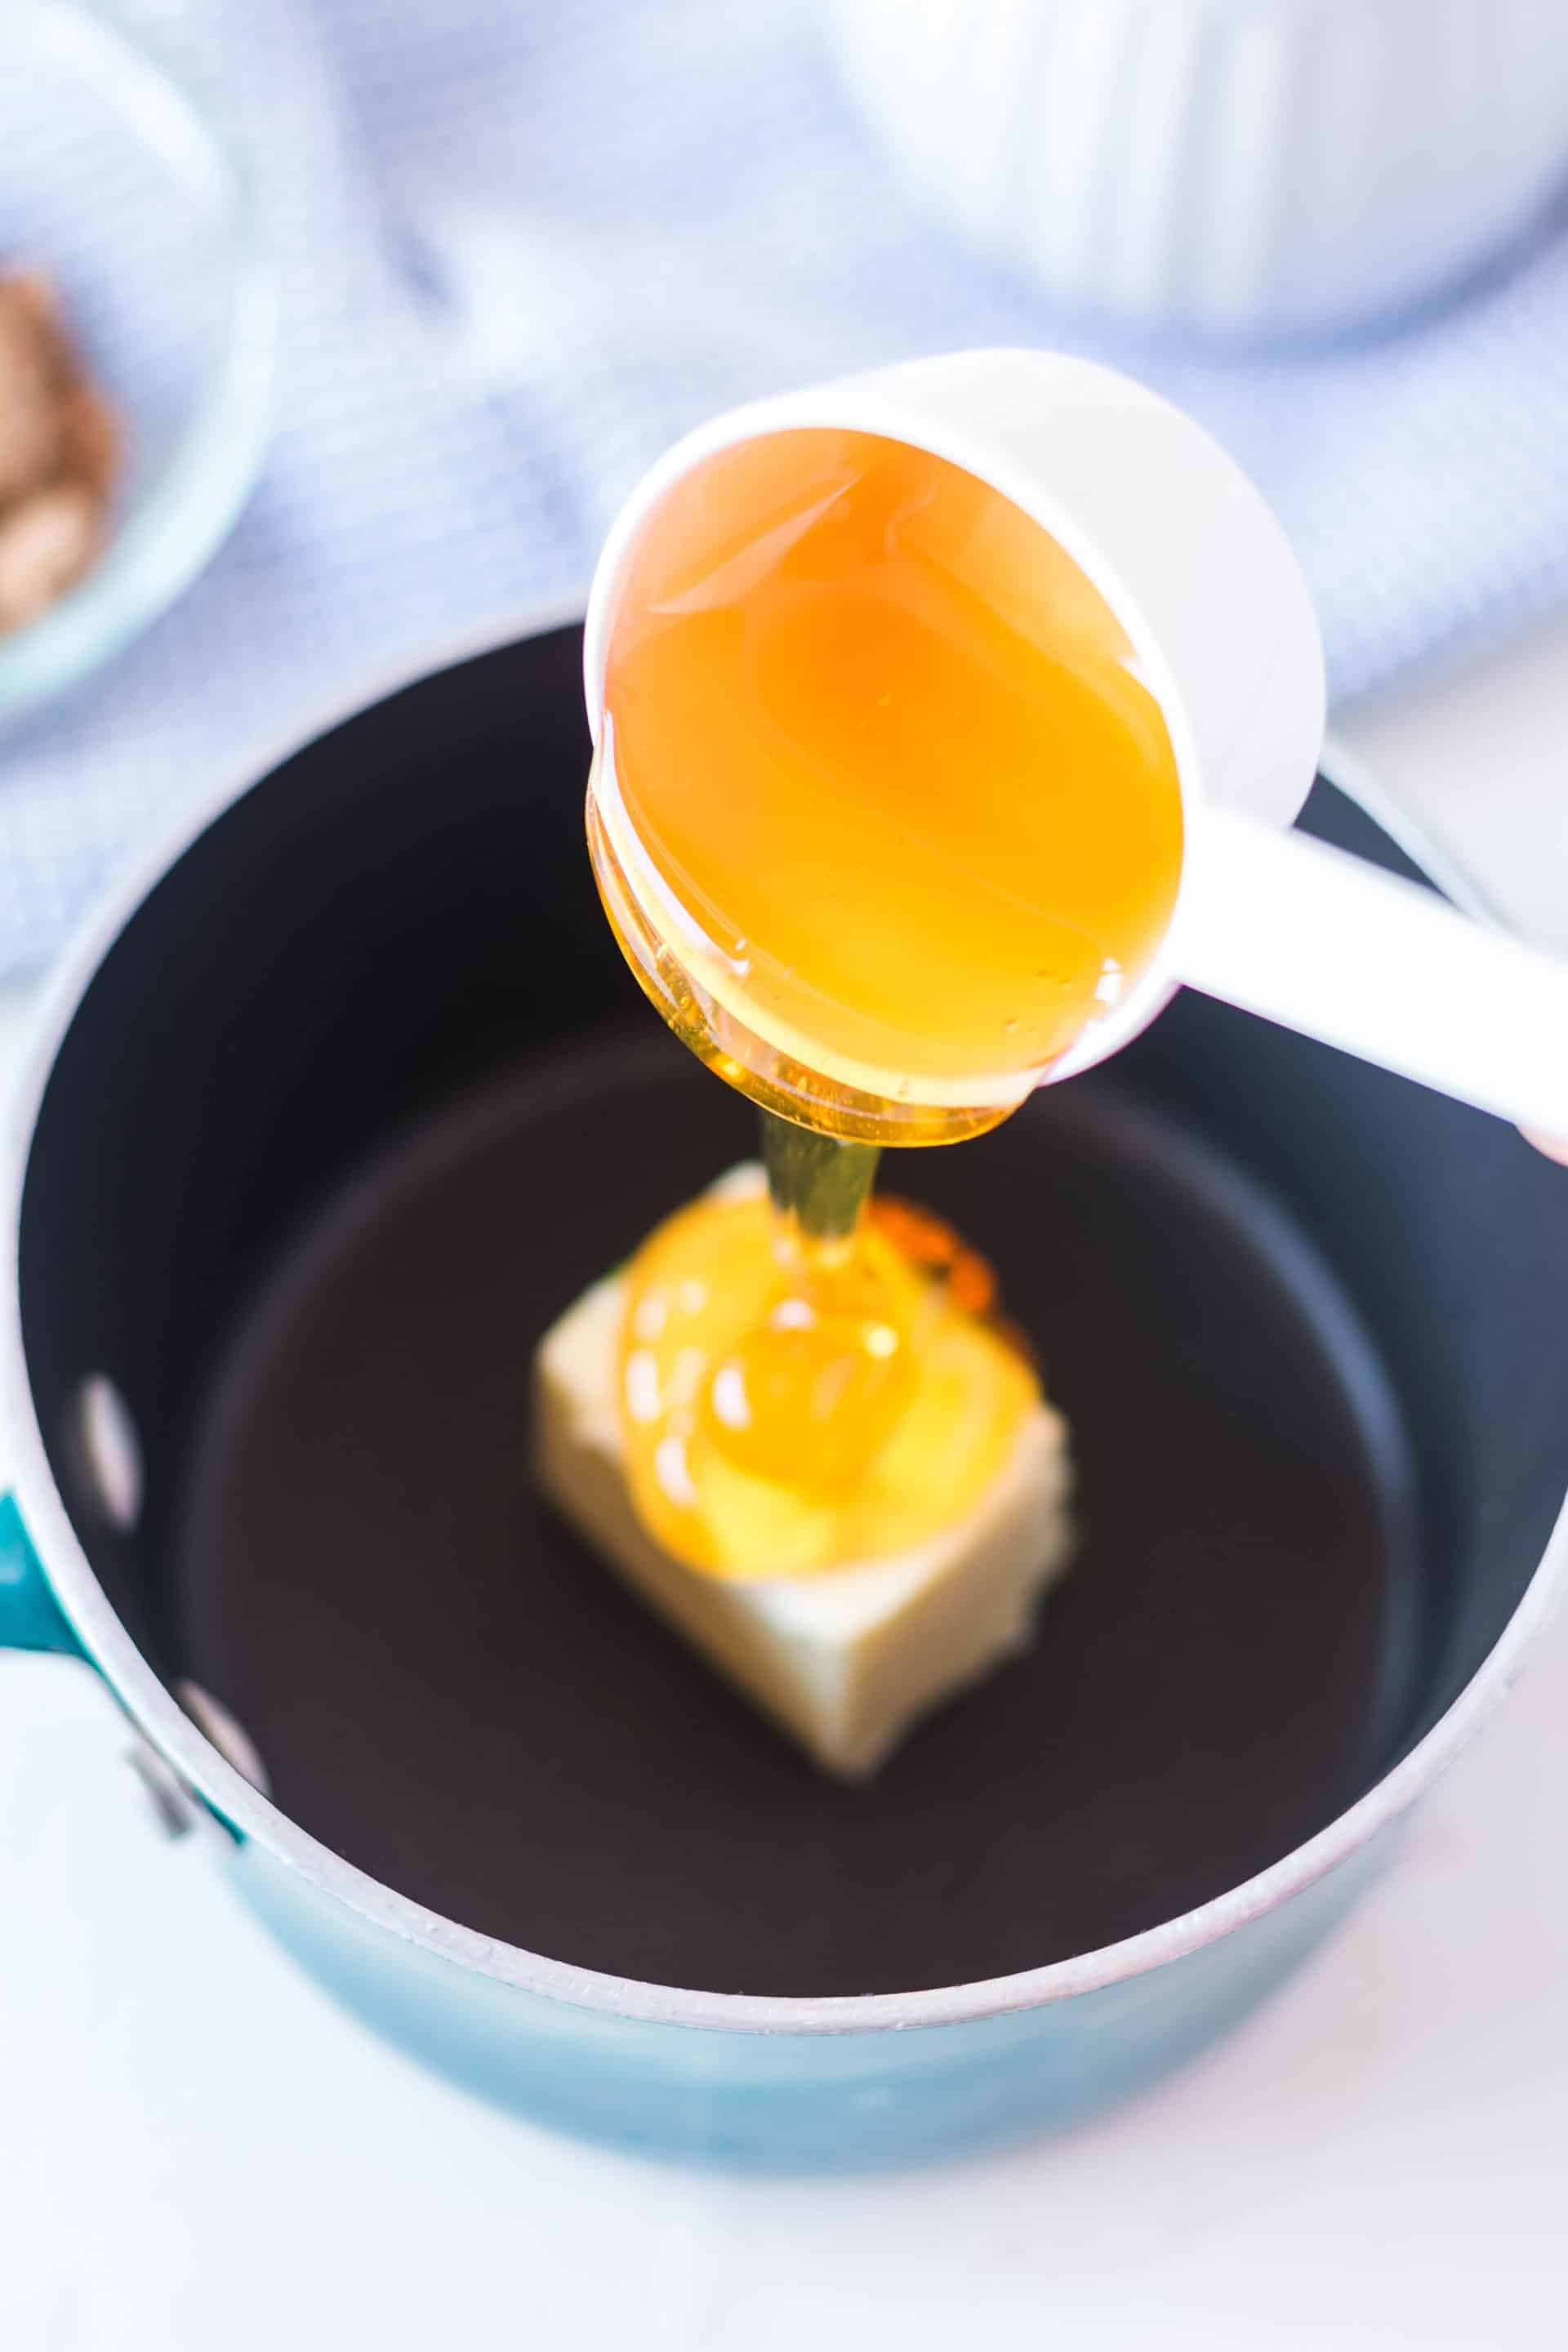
[(878, 776), (882, 815), (791, 1405)]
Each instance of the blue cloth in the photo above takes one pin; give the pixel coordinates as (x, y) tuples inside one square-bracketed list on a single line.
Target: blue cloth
[(528, 242)]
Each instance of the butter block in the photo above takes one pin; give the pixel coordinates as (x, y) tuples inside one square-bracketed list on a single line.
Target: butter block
[(846, 1660)]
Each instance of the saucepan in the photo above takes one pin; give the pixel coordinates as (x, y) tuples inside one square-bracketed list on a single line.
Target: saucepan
[(336, 1104)]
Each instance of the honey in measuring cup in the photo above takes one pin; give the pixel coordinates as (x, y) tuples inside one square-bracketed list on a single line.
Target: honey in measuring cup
[(882, 815)]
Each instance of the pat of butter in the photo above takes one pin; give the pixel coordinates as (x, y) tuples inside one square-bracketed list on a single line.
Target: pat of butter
[(846, 1660)]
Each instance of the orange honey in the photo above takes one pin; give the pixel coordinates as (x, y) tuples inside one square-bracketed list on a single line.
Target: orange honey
[(891, 813), (882, 816), (790, 1406)]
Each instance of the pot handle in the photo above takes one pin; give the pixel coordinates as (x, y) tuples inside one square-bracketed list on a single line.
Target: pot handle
[(30, 1617)]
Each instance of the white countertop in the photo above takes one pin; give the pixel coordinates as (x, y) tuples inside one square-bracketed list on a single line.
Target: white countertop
[(197, 2149)]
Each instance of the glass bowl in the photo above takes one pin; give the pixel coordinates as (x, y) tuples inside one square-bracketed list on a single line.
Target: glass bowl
[(113, 187)]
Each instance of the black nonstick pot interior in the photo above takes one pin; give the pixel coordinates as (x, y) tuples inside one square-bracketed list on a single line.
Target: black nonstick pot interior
[(362, 1098)]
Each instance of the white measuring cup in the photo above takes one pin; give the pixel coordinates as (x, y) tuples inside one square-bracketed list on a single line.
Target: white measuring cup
[(1199, 575)]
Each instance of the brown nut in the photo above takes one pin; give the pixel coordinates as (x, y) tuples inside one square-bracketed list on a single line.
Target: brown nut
[(31, 435), (47, 542), (90, 440)]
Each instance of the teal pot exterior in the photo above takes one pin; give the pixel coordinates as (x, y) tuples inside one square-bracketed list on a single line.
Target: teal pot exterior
[(759, 2102)]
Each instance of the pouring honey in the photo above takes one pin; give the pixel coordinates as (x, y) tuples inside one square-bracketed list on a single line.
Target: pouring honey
[(882, 811), (882, 815)]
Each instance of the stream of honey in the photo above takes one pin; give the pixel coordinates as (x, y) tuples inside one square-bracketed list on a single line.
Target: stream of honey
[(882, 816)]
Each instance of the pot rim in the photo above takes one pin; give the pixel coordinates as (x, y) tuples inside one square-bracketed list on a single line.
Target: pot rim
[(253, 1816)]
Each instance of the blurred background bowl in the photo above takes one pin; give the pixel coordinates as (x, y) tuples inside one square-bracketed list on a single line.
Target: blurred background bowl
[(1240, 170), (111, 184)]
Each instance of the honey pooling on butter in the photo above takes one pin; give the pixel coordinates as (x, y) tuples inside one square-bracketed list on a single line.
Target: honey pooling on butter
[(792, 1403), (882, 816)]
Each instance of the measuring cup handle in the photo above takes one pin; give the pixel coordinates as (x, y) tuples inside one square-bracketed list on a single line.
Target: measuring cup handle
[(1285, 927)]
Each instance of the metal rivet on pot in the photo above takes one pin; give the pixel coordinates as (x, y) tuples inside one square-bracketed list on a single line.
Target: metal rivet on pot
[(108, 1452), (174, 1806), (231, 1739)]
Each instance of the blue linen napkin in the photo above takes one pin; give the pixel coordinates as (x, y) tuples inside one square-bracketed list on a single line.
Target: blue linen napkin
[(525, 244)]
